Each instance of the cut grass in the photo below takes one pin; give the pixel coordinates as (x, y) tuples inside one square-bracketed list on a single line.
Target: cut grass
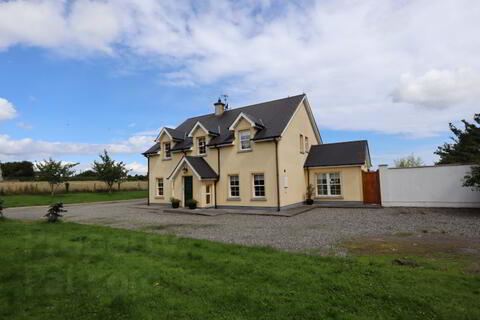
[(72, 271), (81, 197)]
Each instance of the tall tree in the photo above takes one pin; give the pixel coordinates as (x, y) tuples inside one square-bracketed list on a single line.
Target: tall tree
[(408, 162), (55, 172), (109, 170), (464, 149)]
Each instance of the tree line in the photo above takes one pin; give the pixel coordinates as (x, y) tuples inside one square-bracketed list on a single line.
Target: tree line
[(27, 171), (106, 169)]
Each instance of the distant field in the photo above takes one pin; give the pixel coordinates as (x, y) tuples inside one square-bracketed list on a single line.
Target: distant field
[(73, 271), (80, 197), (39, 187)]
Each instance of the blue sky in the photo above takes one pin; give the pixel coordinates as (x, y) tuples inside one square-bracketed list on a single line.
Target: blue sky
[(80, 76)]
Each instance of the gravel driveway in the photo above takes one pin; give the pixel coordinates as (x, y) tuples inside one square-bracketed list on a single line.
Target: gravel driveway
[(318, 229)]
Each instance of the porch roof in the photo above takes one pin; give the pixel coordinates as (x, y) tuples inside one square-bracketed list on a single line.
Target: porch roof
[(198, 165)]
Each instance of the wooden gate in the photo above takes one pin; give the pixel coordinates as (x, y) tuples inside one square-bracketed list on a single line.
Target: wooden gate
[(371, 187)]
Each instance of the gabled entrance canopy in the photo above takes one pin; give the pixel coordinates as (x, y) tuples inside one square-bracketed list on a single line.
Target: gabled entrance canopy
[(199, 167)]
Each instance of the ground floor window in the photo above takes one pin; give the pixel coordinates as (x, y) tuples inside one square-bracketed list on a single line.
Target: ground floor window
[(258, 185), (208, 194), (160, 187), (329, 184), (234, 186)]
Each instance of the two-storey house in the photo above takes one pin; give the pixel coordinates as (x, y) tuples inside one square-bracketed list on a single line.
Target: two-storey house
[(258, 156)]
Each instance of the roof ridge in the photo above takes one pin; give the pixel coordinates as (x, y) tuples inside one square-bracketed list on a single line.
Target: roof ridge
[(342, 142), (247, 106)]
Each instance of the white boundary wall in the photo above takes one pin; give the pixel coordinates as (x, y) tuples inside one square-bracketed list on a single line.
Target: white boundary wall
[(429, 186)]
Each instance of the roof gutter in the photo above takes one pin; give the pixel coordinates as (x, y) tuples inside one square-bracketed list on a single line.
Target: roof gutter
[(335, 166), (274, 138)]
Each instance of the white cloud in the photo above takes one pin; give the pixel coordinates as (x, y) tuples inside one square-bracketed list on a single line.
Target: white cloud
[(7, 110), (348, 56), (137, 168), (24, 125), (438, 89), (29, 148)]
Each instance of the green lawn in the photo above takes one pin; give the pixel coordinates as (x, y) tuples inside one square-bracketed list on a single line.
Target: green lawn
[(73, 271), (81, 197)]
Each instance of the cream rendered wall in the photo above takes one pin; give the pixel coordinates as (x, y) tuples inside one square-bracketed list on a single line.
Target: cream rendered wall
[(351, 179), (160, 168), (260, 160), (290, 159)]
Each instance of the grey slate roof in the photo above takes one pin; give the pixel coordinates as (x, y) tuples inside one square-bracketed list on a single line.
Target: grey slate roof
[(202, 167), (258, 122), (153, 149), (176, 134), (272, 115), (338, 154)]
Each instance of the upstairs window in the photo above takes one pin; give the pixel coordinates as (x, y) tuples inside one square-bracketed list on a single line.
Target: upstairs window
[(301, 143), (329, 184), (307, 147), (167, 154), (258, 186), (202, 146), (245, 140)]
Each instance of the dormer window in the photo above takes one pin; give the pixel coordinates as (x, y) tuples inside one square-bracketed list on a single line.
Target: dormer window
[(245, 140), (202, 146), (167, 154)]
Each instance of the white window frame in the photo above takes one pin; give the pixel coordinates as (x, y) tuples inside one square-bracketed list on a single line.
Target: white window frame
[(307, 146), (329, 184), (240, 139), (157, 187), (230, 186), (165, 150), (204, 146), (301, 143), (253, 186), (208, 194)]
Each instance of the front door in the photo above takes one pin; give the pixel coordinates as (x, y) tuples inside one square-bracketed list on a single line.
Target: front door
[(187, 188)]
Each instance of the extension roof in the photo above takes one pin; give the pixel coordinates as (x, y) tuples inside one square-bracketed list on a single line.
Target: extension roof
[(272, 118), (338, 154)]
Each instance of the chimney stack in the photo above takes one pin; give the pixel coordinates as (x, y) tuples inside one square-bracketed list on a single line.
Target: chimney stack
[(219, 107)]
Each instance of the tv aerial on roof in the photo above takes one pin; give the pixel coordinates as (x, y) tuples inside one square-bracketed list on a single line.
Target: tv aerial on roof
[(225, 98)]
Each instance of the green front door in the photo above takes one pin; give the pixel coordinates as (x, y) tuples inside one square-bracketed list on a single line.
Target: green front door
[(188, 188)]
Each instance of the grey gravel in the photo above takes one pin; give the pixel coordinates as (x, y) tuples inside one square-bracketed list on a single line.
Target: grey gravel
[(318, 229)]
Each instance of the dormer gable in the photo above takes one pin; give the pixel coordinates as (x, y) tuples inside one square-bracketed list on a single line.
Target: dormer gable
[(254, 122), (172, 134), (199, 125)]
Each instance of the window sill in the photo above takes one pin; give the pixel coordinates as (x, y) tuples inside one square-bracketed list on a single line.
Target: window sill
[(202, 155), (234, 199), (160, 197), (246, 150), (259, 199), (329, 197), (166, 159)]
